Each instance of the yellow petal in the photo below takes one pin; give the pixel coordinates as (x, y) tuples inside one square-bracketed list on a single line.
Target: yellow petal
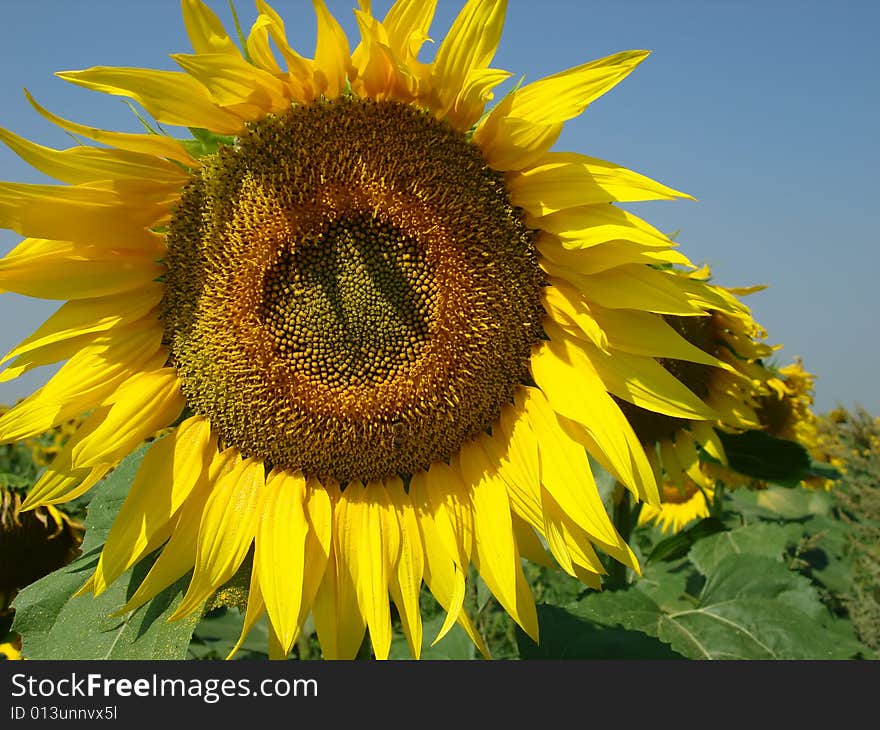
[(518, 463), (566, 475), (59, 483), (671, 465), (46, 355), (170, 96), (443, 550), (530, 545), (205, 31), (495, 553), (575, 391), (256, 607), (236, 85), (90, 316), (225, 533), (88, 164), (145, 403), (259, 50), (319, 512), (468, 47), (338, 618), (450, 505), (446, 582), (686, 450), (708, 439), (603, 256), (87, 380), (81, 214), (570, 544), (647, 334), (527, 122), (179, 553), (279, 557), (567, 308), (148, 144), (636, 286), (62, 270), (331, 52), (638, 380), (406, 578), (561, 180), (372, 550), (407, 23), (169, 472), (592, 225)]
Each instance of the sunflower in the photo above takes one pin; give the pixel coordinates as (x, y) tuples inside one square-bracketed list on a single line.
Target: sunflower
[(32, 543), (680, 505), (9, 652), (384, 324), (730, 377), (786, 412)]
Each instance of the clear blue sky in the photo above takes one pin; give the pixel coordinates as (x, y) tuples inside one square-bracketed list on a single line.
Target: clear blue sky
[(767, 111)]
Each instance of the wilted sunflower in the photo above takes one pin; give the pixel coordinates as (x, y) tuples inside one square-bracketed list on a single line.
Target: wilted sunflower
[(385, 325), (730, 377)]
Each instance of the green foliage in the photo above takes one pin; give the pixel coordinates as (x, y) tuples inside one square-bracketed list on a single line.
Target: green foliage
[(54, 625), (205, 142), (750, 607), (759, 455)]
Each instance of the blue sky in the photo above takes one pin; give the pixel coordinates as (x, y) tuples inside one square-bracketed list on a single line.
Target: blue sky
[(766, 111)]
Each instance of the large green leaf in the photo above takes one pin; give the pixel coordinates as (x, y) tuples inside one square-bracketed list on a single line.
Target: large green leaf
[(759, 455), (778, 503), (55, 626), (565, 635), (751, 607), (763, 538), (678, 545)]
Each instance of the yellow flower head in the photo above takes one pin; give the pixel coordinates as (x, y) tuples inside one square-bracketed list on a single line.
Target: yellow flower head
[(384, 324), (786, 412), (680, 505), (724, 368), (32, 543)]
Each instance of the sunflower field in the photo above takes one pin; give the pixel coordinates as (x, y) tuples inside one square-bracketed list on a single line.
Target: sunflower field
[(357, 363)]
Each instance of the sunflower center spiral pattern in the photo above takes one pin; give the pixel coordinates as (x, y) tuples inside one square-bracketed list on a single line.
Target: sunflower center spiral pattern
[(351, 304), (350, 292)]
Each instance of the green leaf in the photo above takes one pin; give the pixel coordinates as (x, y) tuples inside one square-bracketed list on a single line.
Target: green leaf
[(794, 503), (13, 481), (759, 455), (455, 645), (780, 503), (677, 545), (218, 632), (205, 142), (565, 635), (764, 539), (822, 470), (55, 626), (751, 607)]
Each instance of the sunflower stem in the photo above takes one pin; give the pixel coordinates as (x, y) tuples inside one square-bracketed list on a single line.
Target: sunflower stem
[(624, 514)]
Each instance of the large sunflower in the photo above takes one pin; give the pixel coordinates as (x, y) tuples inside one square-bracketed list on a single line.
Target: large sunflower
[(385, 325)]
